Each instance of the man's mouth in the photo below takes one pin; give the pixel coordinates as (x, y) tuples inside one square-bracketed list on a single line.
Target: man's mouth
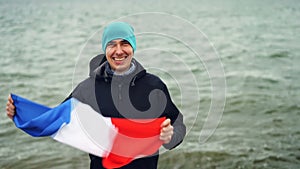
[(119, 58)]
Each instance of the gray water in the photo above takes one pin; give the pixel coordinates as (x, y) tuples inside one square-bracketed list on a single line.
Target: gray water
[(45, 47)]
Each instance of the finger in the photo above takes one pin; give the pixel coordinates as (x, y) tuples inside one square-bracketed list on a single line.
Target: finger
[(167, 129), (9, 116), (9, 113), (10, 106), (168, 133), (10, 99), (165, 123), (166, 140)]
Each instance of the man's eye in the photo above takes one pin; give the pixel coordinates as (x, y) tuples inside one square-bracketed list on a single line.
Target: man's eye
[(111, 44), (125, 42)]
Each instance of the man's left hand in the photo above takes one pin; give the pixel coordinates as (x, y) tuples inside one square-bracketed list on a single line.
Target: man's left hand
[(166, 131)]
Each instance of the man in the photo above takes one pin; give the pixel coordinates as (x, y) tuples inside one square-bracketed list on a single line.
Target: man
[(120, 87)]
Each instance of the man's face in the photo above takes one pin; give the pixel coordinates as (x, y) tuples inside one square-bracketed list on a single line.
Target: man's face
[(119, 54)]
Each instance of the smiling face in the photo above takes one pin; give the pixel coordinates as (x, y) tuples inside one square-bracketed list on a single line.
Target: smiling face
[(119, 54)]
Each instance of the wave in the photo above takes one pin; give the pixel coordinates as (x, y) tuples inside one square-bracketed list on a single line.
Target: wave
[(212, 160), (282, 54)]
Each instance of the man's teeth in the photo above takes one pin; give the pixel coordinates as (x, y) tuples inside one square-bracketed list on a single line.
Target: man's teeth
[(119, 59)]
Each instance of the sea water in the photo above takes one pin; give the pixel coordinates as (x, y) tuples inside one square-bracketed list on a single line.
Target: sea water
[(232, 68)]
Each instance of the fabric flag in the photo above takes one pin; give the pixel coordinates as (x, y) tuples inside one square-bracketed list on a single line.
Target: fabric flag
[(117, 140)]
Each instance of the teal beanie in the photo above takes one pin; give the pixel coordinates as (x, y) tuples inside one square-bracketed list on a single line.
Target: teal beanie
[(118, 30)]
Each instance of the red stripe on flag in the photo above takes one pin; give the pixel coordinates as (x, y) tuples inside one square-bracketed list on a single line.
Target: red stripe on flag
[(135, 138)]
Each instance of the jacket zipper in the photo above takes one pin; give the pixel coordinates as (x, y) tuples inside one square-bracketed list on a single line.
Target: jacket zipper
[(120, 91)]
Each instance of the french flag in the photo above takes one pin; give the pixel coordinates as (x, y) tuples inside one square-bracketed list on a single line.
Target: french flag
[(117, 140)]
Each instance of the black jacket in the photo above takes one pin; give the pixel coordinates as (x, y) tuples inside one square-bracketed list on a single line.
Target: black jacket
[(136, 95)]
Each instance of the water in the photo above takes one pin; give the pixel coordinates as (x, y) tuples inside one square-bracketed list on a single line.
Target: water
[(45, 47)]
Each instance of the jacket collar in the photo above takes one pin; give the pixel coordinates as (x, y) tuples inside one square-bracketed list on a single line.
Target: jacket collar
[(101, 73)]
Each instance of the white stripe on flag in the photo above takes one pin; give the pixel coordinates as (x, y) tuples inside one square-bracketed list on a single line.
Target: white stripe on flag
[(97, 141)]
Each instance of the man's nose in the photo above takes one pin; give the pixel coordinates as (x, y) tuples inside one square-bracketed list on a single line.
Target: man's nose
[(119, 50)]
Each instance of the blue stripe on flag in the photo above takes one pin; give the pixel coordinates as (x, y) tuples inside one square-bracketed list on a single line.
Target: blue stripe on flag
[(39, 120)]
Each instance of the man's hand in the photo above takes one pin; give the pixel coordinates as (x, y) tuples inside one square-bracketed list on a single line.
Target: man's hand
[(10, 108), (166, 131)]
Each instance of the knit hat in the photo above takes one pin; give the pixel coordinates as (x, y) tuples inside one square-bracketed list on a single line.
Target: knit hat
[(118, 30)]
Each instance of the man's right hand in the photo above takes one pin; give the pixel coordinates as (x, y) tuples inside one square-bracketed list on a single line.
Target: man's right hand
[(10, 108)]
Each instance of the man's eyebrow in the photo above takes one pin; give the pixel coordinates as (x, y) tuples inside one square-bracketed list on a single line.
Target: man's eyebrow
[(111, 42), (124, 41)]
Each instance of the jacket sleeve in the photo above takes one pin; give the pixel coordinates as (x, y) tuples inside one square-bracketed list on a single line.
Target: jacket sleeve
[(176, 118)]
